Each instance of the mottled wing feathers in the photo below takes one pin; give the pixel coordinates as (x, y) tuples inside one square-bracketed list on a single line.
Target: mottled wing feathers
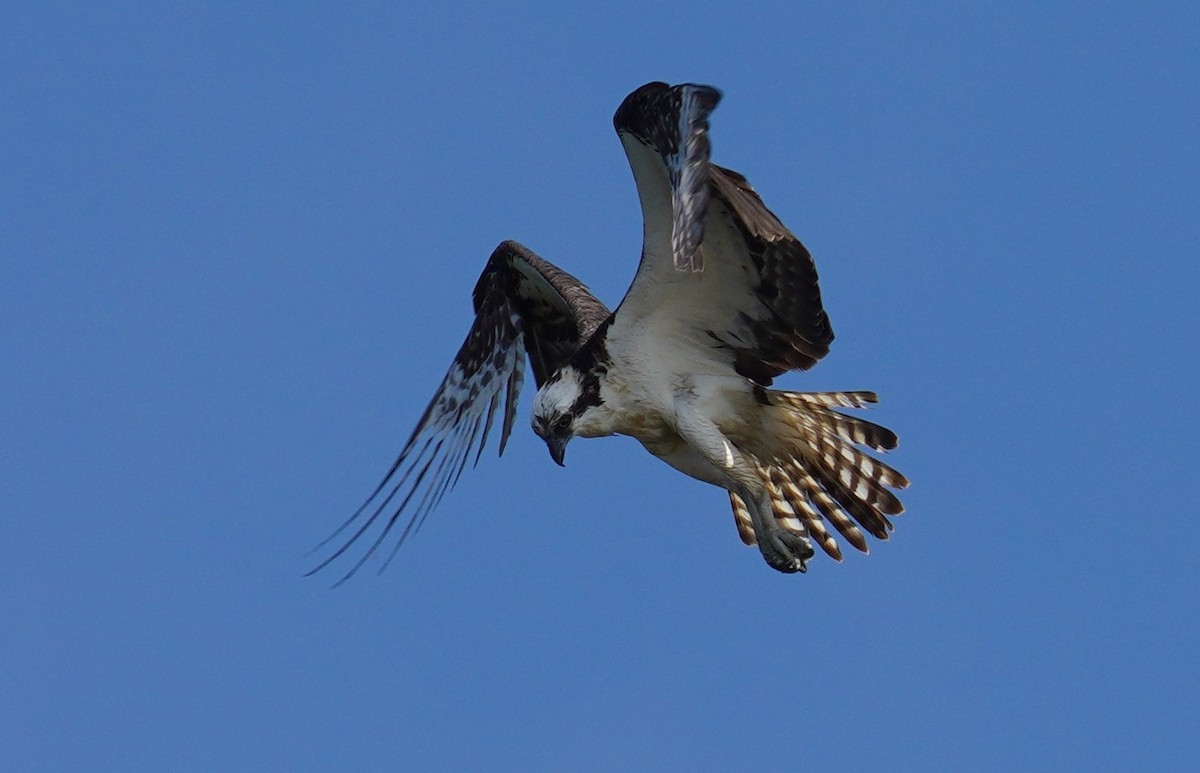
[(794, 332), (522, 304), (557, 311), (674, 121)]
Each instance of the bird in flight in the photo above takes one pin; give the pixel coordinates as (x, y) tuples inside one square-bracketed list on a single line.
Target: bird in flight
[(725, 299)]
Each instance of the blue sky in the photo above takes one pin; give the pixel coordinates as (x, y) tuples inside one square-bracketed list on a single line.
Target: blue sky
[(237, 246)]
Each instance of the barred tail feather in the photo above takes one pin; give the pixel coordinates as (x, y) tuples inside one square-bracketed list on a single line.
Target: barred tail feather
[(829, 399), (819, 476), (741, 518), (798, 501), (816, 407), (831, 510)]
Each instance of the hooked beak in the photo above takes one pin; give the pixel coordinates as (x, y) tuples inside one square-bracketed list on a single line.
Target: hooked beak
[(558, 449)]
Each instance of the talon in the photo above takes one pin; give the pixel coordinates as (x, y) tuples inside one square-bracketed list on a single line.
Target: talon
[(786, 551)]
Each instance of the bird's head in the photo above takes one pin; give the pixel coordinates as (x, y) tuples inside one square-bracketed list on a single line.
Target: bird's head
[(559, 403)]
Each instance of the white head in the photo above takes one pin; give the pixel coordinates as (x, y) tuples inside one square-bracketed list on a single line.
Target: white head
[(556, 408)]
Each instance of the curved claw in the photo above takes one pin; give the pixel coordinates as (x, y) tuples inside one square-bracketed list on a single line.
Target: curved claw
[(785, 551)]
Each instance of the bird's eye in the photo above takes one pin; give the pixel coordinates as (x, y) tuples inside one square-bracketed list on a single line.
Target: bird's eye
[(563, 423)]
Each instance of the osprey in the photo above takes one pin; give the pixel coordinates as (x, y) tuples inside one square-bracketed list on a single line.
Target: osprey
[(724, 300)]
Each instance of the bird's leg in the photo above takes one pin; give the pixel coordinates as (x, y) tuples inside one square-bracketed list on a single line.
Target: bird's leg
[(784, 550)]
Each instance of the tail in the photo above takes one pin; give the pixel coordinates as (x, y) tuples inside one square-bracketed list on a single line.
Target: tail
[(816, 474)]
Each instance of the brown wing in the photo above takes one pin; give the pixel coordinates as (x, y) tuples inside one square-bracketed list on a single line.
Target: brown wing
[(796, 331), (523, 305), (557, 312)]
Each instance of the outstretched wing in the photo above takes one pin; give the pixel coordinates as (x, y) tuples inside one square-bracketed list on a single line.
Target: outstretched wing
[(523, 306), (750, 294)]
